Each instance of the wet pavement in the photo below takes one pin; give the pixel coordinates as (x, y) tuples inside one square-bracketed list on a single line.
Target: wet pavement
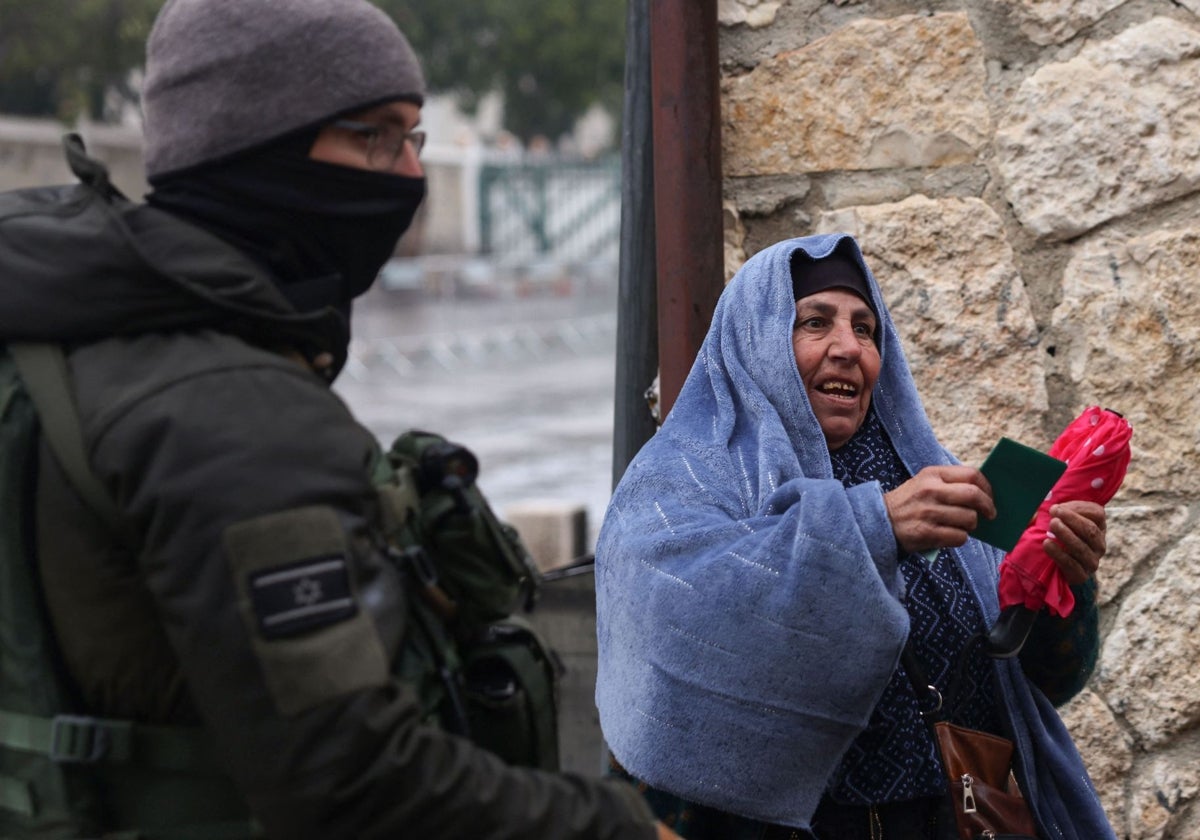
[(524, 382)]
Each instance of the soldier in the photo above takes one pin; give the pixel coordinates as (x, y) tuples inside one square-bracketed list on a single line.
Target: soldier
[(241, 601)]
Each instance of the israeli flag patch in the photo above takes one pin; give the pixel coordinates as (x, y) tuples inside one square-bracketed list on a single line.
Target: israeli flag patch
[(300, 597)]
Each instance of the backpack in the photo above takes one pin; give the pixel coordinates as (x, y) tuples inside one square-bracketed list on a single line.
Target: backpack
[(479, 668), (39, 795), (58, 765), (497, 680)]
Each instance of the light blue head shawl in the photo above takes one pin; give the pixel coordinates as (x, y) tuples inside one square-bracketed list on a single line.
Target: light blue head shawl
[(748, 608)]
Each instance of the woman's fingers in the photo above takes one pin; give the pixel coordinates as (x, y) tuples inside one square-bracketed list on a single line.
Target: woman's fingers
[(939, 506), (1077, 539), (1074, 570)]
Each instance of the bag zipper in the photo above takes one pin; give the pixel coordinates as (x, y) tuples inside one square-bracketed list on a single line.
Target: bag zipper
[(968, 794)]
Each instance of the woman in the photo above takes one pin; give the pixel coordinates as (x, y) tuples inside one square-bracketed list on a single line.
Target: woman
[(759, 573)]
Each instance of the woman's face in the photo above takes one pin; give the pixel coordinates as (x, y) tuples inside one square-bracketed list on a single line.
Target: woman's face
[(834, 343)]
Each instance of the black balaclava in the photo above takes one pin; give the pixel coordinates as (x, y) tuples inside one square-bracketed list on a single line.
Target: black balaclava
[(322, 230)]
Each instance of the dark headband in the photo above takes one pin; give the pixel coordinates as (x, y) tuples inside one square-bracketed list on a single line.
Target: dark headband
[(835, 271)]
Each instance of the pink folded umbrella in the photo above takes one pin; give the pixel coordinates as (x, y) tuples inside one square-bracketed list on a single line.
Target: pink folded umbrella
[(1095, 447)]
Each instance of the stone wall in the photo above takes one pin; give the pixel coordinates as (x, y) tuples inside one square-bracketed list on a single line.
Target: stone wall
[(1024, 177)]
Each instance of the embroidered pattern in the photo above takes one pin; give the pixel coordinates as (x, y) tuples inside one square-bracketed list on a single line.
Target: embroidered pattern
[(895, 758)]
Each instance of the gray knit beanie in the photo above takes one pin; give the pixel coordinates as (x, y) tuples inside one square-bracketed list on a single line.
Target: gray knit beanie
[(224, 76)]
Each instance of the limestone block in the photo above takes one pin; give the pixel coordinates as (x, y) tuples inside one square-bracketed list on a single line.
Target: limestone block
[(1147, 670), (1127, 332), (1105, 133), (908, 91), (1136, 536), (753, 13), (1187, 823), (763, 196), (735, 239), (1054, 21), (1162, 790), (555, 532), (847, 189), (1106, 749), (959, 303)]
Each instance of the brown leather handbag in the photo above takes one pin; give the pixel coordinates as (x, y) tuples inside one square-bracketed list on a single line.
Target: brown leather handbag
[(987, 802), (983, 791)]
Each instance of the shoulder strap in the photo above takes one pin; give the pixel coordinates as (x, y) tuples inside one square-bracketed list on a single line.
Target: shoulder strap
[(43, 368), (936, 705), (928, 697), (49, 756)]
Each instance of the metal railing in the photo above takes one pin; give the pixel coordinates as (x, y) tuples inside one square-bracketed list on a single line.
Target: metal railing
[(556, 210), (449, 351)]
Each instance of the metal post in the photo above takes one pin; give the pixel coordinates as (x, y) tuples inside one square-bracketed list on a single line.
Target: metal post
[(637, 308), (687, 181)]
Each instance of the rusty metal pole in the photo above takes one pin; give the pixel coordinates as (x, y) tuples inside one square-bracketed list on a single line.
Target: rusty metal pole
[(686, 116)]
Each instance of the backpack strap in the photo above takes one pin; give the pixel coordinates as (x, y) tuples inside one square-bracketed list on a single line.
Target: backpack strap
[(81, 739), (102, 745), (43, 368)]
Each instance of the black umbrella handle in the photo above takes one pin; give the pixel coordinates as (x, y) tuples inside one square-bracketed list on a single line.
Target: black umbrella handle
[(1008, 634)]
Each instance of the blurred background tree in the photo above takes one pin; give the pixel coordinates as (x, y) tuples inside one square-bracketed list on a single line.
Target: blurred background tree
[(71, 58), (550, 59)]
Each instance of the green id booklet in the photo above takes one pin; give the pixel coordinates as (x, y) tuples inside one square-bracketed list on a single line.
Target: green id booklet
[(1021, 478)]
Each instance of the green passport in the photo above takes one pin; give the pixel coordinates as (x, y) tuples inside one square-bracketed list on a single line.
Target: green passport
[(1021, 478)]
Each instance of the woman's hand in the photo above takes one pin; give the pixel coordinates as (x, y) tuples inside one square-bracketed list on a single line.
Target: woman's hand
[(665, 833), (938, 507), (1078, 541)]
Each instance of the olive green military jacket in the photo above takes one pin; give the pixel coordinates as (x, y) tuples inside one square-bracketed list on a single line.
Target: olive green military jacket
[(245, 590)]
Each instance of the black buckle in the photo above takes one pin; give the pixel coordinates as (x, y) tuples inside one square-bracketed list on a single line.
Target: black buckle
[(78, 740)]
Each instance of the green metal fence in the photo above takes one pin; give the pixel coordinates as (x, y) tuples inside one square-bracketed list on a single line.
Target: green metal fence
[(562, 210)]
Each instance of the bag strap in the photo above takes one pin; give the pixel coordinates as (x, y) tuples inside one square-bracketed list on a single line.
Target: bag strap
[(929, 699), (81, 739), (74, 738), (936, 705), (99, 743), (43, 368)]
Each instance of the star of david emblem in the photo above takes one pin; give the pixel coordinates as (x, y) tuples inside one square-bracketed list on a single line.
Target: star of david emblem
[(307, 592)]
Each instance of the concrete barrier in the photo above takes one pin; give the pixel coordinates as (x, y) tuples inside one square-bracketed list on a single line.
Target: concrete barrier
[(566, 618), (555, 532)]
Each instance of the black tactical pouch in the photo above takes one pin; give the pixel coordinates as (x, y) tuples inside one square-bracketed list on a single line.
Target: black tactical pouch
[(480, 668)]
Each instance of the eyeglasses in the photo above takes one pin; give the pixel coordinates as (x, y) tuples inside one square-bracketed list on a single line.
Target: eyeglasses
[(385, 141)]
